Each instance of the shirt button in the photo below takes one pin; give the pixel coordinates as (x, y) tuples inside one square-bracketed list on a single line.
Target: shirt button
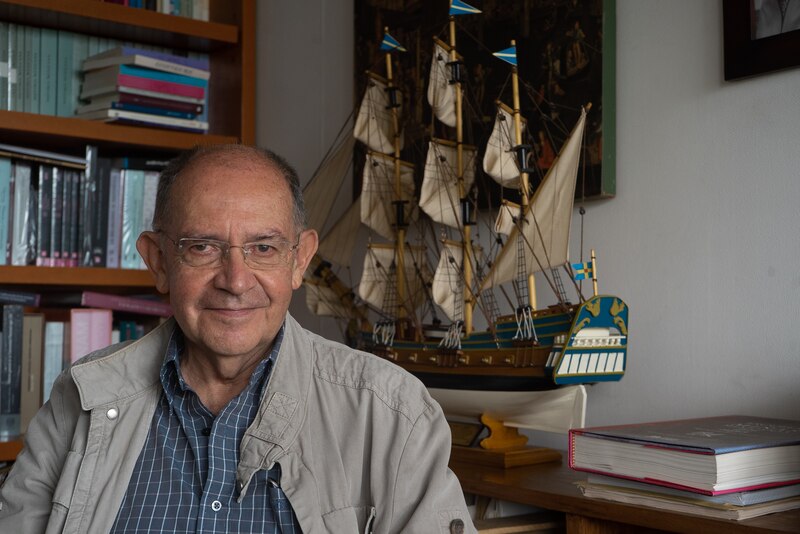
[(112, 413), (216, 506)]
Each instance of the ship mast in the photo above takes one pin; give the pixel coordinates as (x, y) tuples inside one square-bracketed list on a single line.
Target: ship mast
[(523, 167), (466, 231), (399, 203)]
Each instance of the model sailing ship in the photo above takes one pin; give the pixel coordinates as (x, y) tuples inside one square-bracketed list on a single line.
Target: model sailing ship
[(527, 350)]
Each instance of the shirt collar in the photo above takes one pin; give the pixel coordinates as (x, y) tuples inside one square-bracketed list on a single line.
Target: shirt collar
[(172, 379)]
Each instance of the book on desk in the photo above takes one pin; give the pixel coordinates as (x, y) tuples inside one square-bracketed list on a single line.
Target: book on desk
[(731, 467)]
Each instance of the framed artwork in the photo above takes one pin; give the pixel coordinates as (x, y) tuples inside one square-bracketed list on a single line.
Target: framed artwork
[(565, 52), (760, 36)]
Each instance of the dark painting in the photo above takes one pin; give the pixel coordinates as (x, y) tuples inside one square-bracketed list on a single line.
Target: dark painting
[(565, 52)]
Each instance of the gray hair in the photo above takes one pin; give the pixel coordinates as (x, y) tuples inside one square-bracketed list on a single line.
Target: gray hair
[(200, 152)]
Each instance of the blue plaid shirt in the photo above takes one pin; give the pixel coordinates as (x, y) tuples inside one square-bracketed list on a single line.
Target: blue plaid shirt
[(185, 478)]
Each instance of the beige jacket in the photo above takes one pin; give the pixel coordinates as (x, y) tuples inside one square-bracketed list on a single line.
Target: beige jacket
[(324, 406)]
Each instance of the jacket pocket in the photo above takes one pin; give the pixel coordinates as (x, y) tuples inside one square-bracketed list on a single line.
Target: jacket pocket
[(62, 496), (355, 519)]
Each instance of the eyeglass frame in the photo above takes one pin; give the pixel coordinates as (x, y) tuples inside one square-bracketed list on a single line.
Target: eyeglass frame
[(225, 250)]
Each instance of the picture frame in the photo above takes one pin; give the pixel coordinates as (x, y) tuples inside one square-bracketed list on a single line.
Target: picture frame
[(747, 54)]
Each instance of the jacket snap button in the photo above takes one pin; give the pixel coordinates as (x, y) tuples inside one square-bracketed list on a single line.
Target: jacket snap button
[(456, 526), (112, 413)]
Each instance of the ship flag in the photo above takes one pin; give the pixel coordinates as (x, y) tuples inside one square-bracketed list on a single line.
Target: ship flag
[(583, 271), (509, 55), (390, 43), (457, 7)]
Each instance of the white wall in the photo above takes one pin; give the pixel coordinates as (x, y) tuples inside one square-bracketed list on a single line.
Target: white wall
[(702, 240)]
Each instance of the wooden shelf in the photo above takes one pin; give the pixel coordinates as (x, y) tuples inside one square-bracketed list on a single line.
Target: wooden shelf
[(68, 277), (9, 450)]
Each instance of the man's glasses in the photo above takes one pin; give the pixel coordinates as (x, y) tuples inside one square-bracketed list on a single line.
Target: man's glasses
[(262, 254)]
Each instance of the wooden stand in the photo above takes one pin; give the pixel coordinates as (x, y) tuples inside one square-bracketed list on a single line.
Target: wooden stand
[(513, 457)]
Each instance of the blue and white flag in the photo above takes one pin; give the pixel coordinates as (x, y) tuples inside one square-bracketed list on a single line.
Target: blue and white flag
[(457, 7), (582, 271), (390, 43), (509, 55)]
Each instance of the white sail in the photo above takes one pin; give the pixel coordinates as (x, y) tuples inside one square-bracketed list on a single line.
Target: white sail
[(374, 123), (504, 224), (378, 193), (441, 93), (322, 300), (321, 191), (447, 289), (546, 224), (500, 161), (337, 246), (378, 277), (439, 195)]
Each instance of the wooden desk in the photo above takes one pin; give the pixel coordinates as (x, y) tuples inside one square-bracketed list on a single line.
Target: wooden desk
[(552, 486)]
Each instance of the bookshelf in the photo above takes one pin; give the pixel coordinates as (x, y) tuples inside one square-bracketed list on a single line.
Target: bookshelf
[(228, 38)]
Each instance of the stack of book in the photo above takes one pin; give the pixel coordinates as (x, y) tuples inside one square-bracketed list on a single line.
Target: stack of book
[(730, 467), (145, 87)]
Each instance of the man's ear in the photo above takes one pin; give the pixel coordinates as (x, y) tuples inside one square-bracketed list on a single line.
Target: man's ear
[(150, 250), (307, 247)]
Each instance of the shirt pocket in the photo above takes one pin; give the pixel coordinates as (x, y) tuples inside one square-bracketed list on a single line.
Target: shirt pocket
[(354, 519)]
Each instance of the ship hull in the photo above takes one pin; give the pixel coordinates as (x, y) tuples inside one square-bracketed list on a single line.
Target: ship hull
[(574, 345)]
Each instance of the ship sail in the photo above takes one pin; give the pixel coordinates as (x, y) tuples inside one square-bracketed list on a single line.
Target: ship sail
[(439, 195), (500, 161), (506, 215), (323, 300), (378, 207), (337, 246), (375, 122), (448, 283), (442, 93), (546, 222), (321, 191), (378, 278)]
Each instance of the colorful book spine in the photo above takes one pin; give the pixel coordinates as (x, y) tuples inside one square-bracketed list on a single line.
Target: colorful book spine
[(160, 103), (10, 371), (48, 71), (132, 210), (6, 205), (44, 215), (158, 86), (90, 330), (200, 63), (56, 217), (31, 373), (132, 70), (78, 179), (3, 65), (152, 110), (23, 298), (53, 361), (144, 306)]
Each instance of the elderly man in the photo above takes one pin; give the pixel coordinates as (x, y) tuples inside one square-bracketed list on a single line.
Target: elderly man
[(231, 417)]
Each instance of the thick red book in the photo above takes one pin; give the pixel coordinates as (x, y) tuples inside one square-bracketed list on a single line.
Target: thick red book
[(711, 455), (159, 86)]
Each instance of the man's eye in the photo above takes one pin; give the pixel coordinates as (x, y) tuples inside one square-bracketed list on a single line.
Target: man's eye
[(202, 248), (262, 249)]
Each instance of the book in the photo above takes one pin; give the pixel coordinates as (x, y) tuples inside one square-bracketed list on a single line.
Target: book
[(31, 377), (739, 498), (6, 209), (23, 251), (104, 80), (149, 59), (131, 117), (4, 65), (114, 100), (94, 209), (41, 156), (105, 92), (82, 110), (711, 455), (23, 298), (93, 299), (688, 504), (132, 210), (48, 72), (44, 215), (10, 371), (90, 330), (114, 241), (53, 360)]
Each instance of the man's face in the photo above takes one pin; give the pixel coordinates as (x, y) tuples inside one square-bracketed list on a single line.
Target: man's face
[(230, 310)]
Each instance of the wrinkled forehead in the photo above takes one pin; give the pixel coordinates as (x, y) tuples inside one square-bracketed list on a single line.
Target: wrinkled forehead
[(235, 183)]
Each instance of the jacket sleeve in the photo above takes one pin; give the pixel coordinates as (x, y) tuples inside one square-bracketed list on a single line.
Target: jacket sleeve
[(26, 497), (428, 497)]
